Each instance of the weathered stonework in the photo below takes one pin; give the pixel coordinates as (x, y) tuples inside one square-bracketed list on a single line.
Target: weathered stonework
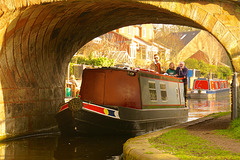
[(205, 43), (39, 37)]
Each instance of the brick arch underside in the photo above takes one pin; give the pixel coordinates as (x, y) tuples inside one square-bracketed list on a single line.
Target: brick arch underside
[(38, 45)]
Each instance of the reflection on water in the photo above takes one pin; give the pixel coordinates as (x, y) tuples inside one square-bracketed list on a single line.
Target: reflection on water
[(59, 148), (30, 148), (54, 147), (90, 148), (199, 108)]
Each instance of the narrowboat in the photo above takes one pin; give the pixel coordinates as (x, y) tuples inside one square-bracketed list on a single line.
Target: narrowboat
[(123, 101), (209, 88)]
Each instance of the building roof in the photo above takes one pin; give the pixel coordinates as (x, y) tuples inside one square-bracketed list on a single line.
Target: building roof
[(135, 38), (178, 40), (185, 37), (110, 35), (142, 41), (200, 55)]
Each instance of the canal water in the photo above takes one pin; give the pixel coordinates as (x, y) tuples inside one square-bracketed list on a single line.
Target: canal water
[(203, 107), (54, 147)]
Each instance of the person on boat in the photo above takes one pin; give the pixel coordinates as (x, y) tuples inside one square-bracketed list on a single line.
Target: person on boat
[(182, 72), (74, 82), (171, 71), (155, 65)]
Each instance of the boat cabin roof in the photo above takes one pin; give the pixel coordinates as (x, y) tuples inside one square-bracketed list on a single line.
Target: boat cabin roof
[(210, 84)]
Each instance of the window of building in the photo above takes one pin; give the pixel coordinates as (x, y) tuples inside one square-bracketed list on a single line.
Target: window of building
[(121, 30), (163, 91), (130, 30), (137, 31), (148, 53), (183, 36), (133, 50), (152, 91), (144, 32), (150, 34), (154, 51), (143, 51)]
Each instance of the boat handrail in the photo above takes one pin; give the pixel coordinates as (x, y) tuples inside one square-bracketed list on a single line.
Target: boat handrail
[(201, 79)]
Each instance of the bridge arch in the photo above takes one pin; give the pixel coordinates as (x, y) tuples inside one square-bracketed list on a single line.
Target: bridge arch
[(38, 39)]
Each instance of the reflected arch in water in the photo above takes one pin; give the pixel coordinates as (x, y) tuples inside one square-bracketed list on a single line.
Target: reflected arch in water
[(62, 148)]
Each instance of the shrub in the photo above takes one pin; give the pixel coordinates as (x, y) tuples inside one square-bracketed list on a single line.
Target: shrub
[(222, 71)]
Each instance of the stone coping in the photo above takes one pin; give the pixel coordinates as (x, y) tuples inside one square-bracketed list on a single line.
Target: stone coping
[(138, 148)]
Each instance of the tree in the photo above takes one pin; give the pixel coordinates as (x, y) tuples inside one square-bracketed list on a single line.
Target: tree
[(109, 45), (222, 71), (100, 61), (192, 63)]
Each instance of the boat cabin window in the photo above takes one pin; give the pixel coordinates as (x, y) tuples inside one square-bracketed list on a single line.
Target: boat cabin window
[(222, 85), (201, 84), (216, 85), (163, 91), (177, 93), (152, 91), (226, 84)]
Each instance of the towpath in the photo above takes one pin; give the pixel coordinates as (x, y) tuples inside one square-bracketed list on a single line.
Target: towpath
[(139, 148)]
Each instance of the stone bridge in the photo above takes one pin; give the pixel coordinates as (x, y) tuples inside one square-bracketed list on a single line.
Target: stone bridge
[(39, 37)]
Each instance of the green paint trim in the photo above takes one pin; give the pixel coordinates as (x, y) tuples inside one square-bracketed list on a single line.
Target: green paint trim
[(154, 107), (159, 77)]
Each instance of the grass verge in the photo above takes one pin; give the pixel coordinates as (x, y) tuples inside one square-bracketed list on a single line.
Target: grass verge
[(233, 131), (219, 114), (180, 143)]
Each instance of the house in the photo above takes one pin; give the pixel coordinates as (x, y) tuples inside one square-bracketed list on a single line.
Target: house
[(132, 44), (137, 42), (200, 55), (200, 45)]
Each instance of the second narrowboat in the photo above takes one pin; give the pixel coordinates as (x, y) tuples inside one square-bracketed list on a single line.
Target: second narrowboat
[(209, 88)]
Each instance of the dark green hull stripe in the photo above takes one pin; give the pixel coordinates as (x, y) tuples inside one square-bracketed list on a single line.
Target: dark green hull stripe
[(152, 107)]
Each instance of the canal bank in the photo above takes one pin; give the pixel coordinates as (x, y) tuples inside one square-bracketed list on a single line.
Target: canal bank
[(140, 149)]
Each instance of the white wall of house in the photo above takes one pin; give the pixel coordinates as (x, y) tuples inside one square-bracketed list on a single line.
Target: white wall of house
[(133, 50)]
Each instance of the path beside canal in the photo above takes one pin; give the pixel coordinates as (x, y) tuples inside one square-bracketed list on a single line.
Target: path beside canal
[(140, 149)]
